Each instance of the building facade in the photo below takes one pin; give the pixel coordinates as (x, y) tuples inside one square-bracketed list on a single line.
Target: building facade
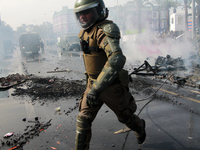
[(126, 17), (64, 22)]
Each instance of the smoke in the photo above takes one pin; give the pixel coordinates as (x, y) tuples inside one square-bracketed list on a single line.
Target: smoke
[(148, 46)]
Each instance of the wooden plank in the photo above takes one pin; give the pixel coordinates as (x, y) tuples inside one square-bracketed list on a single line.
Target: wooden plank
[(11, 84)]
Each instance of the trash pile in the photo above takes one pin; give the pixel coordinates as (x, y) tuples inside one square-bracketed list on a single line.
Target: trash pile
[(17, 141)]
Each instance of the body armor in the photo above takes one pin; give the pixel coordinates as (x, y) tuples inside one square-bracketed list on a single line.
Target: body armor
[(102, 54)]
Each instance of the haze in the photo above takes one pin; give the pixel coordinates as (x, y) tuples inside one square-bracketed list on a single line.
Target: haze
[(18, 12)]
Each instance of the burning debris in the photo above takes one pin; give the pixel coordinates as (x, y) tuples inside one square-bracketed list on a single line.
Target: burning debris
[(169, 64), (165, 68), (161, 64), (144, 67)]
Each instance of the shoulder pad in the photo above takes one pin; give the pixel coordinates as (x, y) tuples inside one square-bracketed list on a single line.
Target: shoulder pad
[(111, 30)]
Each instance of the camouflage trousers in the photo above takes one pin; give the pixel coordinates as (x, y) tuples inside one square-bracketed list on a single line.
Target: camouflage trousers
[(117, 98)]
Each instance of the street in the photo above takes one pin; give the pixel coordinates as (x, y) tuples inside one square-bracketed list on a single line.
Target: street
[(172, 118)]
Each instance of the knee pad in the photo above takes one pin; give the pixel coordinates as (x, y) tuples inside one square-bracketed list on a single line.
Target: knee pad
[(83, 123)]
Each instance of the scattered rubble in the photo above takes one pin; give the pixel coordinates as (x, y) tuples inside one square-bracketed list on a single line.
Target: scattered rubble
[(169, 64), (17, 141), (167, 67), (12, 80), (43, 88)]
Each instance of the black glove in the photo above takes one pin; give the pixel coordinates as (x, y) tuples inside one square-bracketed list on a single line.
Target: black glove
[(92, 98)]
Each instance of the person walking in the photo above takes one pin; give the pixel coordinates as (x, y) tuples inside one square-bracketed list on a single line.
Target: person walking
[(107, 81)]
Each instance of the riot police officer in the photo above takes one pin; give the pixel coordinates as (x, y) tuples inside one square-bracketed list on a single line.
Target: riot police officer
[(107, 81)]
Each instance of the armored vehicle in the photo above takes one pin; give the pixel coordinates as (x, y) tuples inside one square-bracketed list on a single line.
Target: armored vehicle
[(29, 42)]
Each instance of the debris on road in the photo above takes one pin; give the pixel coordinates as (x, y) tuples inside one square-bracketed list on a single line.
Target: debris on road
[(169, 64), (18, 140), (56, 70), (8, 135), (166, 68), (40, 88), (12, 80), (57, 109)]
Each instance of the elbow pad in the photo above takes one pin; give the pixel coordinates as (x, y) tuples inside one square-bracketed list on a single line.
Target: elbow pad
[(117, 61)]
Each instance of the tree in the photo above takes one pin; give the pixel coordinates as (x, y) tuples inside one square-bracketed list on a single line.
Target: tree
[(167, 4), (139, 4), (6, 32), (198, 13)]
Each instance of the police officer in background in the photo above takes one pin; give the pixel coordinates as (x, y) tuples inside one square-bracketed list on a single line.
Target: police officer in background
[(107, 82)]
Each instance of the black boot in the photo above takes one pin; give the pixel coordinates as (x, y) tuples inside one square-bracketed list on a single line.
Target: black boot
[(141, 134)]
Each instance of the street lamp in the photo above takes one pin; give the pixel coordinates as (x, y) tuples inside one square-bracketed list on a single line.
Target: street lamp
[(193, 18), (117, 12)]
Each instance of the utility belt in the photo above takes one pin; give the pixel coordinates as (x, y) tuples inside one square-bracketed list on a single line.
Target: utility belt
[(123, 78), (116, 81)]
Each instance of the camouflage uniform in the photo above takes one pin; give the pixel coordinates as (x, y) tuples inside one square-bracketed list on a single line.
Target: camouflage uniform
[(106, 80)]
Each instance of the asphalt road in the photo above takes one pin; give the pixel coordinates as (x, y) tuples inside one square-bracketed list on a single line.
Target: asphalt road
[(170, 125)]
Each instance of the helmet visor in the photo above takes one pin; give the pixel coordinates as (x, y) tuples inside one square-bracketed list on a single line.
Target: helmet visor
[(87, 18)]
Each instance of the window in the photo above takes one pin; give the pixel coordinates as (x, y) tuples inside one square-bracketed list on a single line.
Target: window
[(149, 15), (172, 20), (163, 24), (155, 25), (163, 14), (154, 15)]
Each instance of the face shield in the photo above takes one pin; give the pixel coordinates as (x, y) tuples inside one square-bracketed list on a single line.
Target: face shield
[(87, 18)]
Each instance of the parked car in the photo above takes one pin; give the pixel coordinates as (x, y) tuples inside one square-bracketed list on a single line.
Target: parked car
[(69, 43)]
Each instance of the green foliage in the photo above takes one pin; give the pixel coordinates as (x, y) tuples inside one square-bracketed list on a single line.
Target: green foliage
[(6, 32), (167, 4), (139, 3), (130, 32)]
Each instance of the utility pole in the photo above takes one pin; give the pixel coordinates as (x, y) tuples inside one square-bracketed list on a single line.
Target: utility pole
[(0, 15), (193, 18), (117, 12), (186, 16)]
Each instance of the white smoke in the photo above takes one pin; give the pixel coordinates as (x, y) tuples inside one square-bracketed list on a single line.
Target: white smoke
[(148, 46)]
